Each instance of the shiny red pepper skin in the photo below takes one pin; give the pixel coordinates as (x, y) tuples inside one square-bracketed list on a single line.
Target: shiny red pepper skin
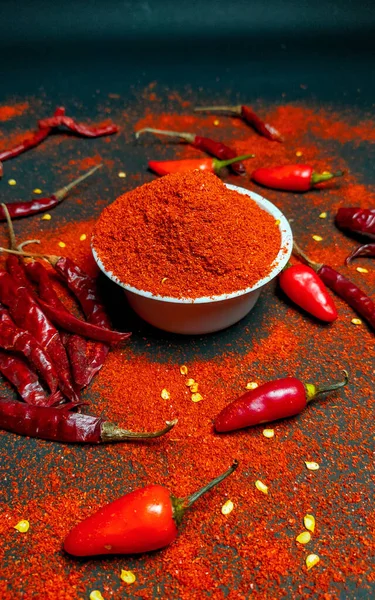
[(138, 522), (271, 401), (292, 178), (355, 218), (303, 286)]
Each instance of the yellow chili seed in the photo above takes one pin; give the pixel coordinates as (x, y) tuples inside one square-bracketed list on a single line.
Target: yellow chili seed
[(252, 385), (122, 174), (82, 237), (268, 433), (183, 370), (127, 576), (216, 122), (164, 280), (227, 507), (362, 270), (12, 181), (317, 238), (62, 244), (277, 222), (261, 487), (356, 321), (194, 388), (323, 215), (46, 217), (311, 465), (37, 191), (196, 397), (165, 394), (309, 522), (299, 153), (189, 382), (304, 537), (311, 561), (22, 526), (96, 595)]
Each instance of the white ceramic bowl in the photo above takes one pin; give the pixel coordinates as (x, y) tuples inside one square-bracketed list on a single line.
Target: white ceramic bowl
[(206, 314)]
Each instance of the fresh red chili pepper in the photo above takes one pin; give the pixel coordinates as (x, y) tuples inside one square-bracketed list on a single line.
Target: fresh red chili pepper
[(213, 165), (85, 290), (62, 425), (364, 250), (342, 286), (355, 218), (25, 209), (292, 178), (249, 116), (18, 340), (303, 286), (75, 345), (25, 380), (271, 401), (144, 520), (91, 131), (217, 149)]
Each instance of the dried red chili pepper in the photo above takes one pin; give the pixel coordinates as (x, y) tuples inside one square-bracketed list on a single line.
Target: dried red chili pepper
[(25, 380), (342, 286), (18, 340), (144, 520), (217, 149), (91, 131), (249, 116), (292, 178), (62, 425), (25, 209), (1, 169), (303, 286), (75, 345), (213, 165), (271, 401), (364, 250), (355, 218)]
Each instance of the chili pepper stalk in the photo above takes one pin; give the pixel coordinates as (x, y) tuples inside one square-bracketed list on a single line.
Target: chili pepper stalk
[(147, 519), (212, 165), (274, 400)]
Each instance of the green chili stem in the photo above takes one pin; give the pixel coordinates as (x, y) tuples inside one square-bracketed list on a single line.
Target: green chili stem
[(227, 109), (220, 164), (189, 137), (320, 177), (194, 497), (312, 391)]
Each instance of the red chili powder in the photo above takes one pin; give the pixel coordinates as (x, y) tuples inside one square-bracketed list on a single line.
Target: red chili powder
[(190, 229), (8, 112)]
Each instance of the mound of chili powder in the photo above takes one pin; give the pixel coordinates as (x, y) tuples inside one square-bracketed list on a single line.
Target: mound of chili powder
[(187, 235)]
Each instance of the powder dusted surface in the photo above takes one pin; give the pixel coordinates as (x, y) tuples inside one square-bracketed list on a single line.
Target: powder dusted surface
[(187, 235)]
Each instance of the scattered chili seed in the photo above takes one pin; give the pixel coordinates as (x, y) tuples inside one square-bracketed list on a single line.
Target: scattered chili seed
[(62, 244), (196, 397), (356, 321), (96, 595), (261, 487), (304, 537), (311, 561), (194, 388), (323, 215), (22, 526), (309, 522), (183, 370), (216, 122), (252, 385), (227, 507), (127, 576), (299, 153), (189, 382), (165, 394), (317, 238), (46, 217), (121, 174), (37, 191), (277, 222), (268, 433), (362, 270), (311, 465), (12, 181), (164, 279), (82, 237)]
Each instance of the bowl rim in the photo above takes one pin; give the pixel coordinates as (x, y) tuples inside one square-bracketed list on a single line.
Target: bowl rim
[(277, 265)]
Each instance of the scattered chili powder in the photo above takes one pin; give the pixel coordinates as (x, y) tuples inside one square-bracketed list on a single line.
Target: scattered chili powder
[(10, 111), (252, 552), (206, 239)]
